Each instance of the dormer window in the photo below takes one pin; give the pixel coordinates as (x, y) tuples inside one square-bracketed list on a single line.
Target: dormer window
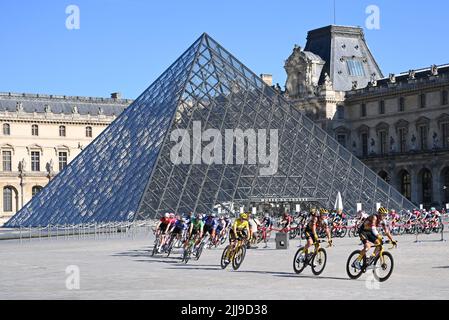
[(355, 68)]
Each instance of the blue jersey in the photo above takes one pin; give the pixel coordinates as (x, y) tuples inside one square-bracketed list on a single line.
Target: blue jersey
[(211, 222), (180, 225)]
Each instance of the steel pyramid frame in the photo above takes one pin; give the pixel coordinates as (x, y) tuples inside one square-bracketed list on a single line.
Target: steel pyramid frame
[(126, 172)]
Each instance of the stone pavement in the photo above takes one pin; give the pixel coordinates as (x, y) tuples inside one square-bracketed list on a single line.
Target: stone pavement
[(121, 268)]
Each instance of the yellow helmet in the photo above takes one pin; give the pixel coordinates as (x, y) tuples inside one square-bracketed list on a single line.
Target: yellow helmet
[(243, 216), (382, 211), (323, 211)]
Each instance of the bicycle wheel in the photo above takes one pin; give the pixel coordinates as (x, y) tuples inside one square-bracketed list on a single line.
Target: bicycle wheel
[(354, 273), (319, 262), (186, 256), (383, 269), (292, 234), (225, 254), (238, 257), (223, 239), (199, 251), (155, 247), (299, 261)]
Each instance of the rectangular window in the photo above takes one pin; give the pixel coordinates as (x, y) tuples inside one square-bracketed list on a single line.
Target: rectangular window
[(34, 130), (444, 97), (423, 137), (383, 142), (6, 157), (341, 138), (355, 68), (35, 161), (364, 144), (402, 140), (422, 100), (62, 160), (445, 129), (401, 104), (363, 110), (382, 107), (340, 112)]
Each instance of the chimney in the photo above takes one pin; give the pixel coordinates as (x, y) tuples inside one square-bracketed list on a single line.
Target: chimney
[(267, 78), (116, 95)]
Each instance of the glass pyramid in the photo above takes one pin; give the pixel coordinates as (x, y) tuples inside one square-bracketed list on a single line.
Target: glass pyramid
[(127, 172)]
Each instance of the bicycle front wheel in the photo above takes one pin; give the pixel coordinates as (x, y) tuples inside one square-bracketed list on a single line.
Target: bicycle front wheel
[(383, 267), (299, 261), (225, 257), (238, 258), (319, 262)]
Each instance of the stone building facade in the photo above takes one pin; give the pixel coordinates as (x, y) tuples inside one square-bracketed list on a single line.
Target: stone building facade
[(398, 125), (40, 135)]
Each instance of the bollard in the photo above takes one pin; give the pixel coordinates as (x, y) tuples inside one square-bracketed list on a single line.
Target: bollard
[(281, 239)]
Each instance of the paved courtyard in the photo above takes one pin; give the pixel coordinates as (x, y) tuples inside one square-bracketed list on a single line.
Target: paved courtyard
[(121, 268)]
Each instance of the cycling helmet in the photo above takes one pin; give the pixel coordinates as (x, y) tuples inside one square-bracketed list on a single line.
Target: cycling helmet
[(213, 215), (382, 211), (243, 216), (323, 211), (183, 219), (267, 215), (167, 215)]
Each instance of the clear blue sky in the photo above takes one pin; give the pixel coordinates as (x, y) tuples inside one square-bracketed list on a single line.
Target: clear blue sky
[(123, 45)]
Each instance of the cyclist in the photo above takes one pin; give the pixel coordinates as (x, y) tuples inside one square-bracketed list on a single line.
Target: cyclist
[(196, 230), (178, 228), (162, 229), (239, 230), (287, 220), (210, 225), (318, 219), (267, 221), (370, 235), (221, 228)]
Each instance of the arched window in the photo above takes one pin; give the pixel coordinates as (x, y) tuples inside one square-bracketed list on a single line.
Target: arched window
[(7, 199), (426, 186), (62, 131), (36, 190), (34, 130), (406, 184), (89, 132), (384, 175), (6, 129)]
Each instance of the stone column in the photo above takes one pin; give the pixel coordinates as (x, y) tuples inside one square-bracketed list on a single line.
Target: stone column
[(436, 185), (416, 198)]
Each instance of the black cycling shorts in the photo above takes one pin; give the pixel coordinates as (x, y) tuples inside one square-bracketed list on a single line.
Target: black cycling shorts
[(366, 236)]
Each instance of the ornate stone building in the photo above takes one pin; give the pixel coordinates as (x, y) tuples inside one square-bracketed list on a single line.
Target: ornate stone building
[(398, 125), (40, 135)]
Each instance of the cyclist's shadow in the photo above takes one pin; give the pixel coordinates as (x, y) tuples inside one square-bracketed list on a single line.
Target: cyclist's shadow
[(293, 275)]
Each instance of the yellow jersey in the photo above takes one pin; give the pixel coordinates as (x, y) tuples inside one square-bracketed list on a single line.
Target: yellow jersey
[(240, 224)]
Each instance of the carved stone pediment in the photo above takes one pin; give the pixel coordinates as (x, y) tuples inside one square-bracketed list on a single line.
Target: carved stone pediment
[(363, 129), (401, 124), (383, 126)]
